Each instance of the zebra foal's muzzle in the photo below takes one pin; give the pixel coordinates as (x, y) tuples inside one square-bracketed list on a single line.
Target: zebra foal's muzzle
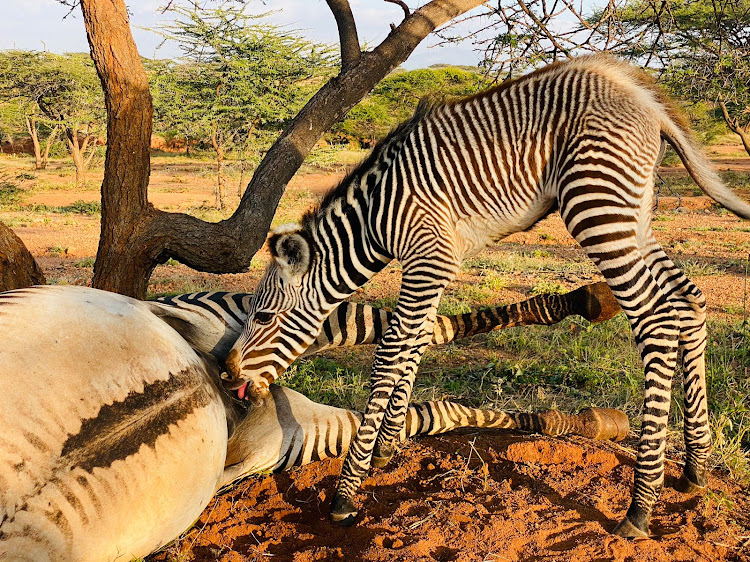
[(253, 388)]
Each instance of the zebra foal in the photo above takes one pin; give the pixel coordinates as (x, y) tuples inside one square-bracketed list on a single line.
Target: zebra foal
[(584, 136)]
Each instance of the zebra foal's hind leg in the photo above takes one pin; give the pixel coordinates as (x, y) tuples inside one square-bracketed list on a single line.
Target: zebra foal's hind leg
[(690, 305), (608, 230)]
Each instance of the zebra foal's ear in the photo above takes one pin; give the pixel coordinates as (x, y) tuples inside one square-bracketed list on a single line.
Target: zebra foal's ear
[(292, 250)]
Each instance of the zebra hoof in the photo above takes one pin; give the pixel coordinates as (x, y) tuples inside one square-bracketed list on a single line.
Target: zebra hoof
[(595, 302), (628, 530), (343, 513), (686, 486), (381, 456)]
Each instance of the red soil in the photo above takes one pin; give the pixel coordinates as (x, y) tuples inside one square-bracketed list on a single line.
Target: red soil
[(476, 496)]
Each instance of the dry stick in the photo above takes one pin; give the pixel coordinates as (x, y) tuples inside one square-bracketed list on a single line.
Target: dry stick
[(216, 502)]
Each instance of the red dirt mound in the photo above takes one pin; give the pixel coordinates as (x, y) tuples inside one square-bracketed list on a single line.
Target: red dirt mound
[(493, 496)]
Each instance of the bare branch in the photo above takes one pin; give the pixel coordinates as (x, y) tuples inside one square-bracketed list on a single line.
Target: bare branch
[(403, 5), (350, 50), (542, 28)]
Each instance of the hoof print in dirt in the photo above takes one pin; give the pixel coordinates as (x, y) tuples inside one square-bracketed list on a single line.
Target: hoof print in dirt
[(343, 513)]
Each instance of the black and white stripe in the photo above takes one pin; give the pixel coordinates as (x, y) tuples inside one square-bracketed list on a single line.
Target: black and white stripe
[(584, 136), (211, 321)]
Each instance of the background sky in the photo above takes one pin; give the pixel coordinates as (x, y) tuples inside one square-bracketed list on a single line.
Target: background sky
[(39, 25)]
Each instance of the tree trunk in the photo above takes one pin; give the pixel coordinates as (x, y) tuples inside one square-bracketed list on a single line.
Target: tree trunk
[(218, 143), (34, 134), (123, 264), (50, 141), (735, 127), (75, 151), (135, 237), (17, 266), (92, 153), (745, 136)]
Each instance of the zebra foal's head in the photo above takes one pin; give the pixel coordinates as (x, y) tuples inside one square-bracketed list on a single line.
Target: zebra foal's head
[(284, 316)]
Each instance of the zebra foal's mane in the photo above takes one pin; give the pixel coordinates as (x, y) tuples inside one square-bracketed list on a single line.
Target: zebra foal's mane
[(426, 106)]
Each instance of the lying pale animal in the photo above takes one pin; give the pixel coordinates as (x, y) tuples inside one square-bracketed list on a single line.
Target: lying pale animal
[(116, 437)]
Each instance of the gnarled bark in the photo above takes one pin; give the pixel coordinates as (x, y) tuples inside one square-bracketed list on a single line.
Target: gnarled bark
[(136, 237), (18, 268)]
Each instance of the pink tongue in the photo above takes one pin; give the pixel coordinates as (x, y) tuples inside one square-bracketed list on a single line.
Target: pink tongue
[(241, 391)]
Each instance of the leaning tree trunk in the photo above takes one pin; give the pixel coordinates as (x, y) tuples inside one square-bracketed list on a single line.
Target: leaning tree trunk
[(17, 266), (50, 141), (135, 237), (735, 127), (77, 153), (34, 134)]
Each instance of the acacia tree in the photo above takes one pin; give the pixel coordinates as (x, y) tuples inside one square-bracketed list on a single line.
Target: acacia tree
[(234, 77), (62, 92), (18, 108), (135, 237)]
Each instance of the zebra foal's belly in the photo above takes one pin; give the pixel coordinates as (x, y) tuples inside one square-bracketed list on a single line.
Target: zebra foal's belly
[(474, 233), (100, 403)]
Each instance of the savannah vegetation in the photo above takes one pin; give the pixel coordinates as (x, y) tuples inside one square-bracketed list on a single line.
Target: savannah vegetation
[(246, 106)]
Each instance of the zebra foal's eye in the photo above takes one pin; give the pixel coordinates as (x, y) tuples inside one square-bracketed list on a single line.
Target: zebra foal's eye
[(263, 317)]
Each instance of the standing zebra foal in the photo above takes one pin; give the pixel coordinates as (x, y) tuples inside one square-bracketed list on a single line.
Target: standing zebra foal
[(584, 136)]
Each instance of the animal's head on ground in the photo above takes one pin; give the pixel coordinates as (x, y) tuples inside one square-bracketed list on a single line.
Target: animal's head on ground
[(284, 318)]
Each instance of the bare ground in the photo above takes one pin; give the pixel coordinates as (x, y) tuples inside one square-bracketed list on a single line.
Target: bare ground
[(501, 496)]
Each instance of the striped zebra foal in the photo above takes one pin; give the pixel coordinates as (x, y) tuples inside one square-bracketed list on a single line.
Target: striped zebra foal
[(584, 136)]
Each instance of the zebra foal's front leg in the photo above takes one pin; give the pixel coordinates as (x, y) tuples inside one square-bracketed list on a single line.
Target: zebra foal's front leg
[(394, 369)]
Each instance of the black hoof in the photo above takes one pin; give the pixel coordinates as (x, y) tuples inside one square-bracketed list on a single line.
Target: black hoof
[(685, 486), (381, 456), (627, 529), (343, 513)]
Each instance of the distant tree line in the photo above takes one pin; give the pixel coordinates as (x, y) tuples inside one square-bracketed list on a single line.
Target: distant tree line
[(235, 87)]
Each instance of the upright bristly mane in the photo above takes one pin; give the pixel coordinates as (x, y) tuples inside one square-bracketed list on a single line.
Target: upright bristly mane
[(426, 106)]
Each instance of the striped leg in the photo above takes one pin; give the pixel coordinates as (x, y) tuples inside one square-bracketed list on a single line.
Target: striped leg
[(395, 417), (656, 332), (613, 238), (393, 372), (690, 305)]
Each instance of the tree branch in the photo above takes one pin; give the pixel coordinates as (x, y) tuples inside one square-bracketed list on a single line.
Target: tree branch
[(135, 236), (403, 5), (350, 50)]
